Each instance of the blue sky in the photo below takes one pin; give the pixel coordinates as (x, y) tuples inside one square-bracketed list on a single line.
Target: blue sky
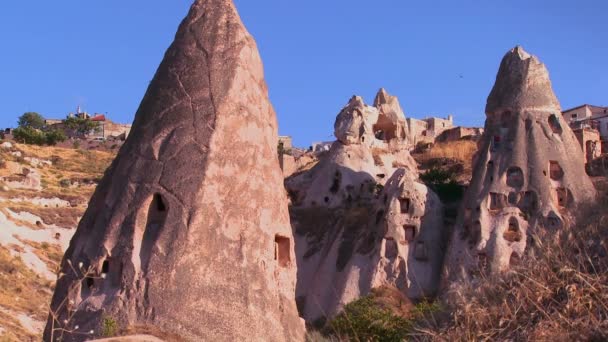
[(317, 54)]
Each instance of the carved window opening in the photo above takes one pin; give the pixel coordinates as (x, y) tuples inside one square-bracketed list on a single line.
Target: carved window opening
[(475, 234), (105, 268), (282, 250), (555, 170), (529, 202), (391, 250), (513, 198), (89, 282), (335, 185), (490, 170), (410, 232), (553, 221), (405, 205), (515, 177), (160, 204), (420, 251), (562, 197), (512, 234), (554, 124), (497, 201), (156, 217)]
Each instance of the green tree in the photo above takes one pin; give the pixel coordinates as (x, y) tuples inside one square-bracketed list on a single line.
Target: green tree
[(31, 120), (53, 137), (80, 125), (29, 135)]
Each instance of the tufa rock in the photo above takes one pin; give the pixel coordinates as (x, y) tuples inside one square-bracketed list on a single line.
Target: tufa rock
[(188, 231), (529, 174), (361, 219)]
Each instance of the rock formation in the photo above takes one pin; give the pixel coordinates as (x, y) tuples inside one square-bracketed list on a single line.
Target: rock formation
[(188, 231), (360, 218), (529, 174)]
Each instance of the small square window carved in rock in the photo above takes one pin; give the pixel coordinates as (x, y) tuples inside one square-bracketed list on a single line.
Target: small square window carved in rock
[(405, 205), (282, 250), (555, 170), (391, 250), (410, 232)]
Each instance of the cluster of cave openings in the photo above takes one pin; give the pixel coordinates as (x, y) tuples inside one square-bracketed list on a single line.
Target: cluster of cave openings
[(555, 170), (420, 251), (554, 124), (157, 215), (512, 233), (282, 250), (409, 232), (405, 204), (562, 195), (515, 177), (391, 250)]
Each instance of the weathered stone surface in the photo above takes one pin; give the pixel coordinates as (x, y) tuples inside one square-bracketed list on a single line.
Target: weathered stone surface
[(348, 223), (529, 174), (185, 232)]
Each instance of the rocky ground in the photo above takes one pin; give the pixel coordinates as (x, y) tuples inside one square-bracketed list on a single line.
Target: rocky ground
[(43, 193)]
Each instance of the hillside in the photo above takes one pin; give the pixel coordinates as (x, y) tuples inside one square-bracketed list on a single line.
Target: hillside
[(43, 193)]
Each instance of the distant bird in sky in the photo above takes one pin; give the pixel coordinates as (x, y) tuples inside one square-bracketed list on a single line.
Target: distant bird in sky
[(460, 76)]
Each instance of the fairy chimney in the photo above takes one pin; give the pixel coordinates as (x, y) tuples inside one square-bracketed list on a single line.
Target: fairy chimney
[(529, 174), (361, 217), (186, 233)]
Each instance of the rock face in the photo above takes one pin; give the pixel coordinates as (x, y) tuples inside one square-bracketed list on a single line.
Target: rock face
[(529, 174), (361, 220), (189, 230)]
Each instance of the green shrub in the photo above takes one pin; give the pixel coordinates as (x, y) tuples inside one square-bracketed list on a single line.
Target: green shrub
[(32, 136), (53, 137), (65, 183), (29, 135), (364, 320), (109, 327)]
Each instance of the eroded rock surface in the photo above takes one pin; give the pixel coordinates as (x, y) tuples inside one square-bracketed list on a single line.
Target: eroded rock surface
[(189, 230), (361, 219), (529, 174)]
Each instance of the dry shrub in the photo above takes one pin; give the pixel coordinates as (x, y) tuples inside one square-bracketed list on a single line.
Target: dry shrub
[(557, 293)]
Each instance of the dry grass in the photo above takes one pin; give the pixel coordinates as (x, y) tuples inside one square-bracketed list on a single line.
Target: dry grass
[(558, 293), (22, 291), (462, 150), (455, 157)]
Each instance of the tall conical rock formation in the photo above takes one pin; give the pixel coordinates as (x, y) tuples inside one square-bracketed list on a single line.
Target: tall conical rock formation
[(529, 174), (188, 232), (361, 219)]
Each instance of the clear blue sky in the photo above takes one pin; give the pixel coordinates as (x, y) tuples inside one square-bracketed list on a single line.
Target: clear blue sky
[(317, 53)]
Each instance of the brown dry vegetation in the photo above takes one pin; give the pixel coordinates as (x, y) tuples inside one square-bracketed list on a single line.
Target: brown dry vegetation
[(558, 293), (22, 291), (455, 157)]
